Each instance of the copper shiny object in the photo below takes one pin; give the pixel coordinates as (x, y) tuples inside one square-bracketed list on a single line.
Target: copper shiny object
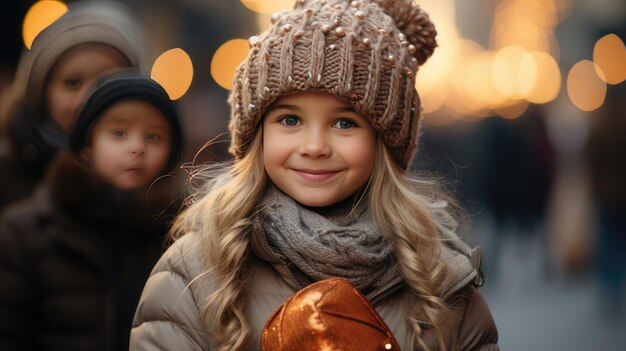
[(327, 315)]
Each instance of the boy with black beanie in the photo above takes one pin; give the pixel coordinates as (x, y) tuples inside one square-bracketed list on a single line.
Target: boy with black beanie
[(80, 249)]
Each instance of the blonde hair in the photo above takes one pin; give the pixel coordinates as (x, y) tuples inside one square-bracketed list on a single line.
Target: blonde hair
[(223, 214), (413, 212)]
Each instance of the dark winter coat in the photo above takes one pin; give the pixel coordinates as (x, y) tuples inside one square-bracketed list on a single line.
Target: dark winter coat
[(73, 260), (31, 136), (33, 142)]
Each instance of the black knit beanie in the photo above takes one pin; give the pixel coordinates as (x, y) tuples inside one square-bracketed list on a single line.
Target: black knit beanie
[(126, 86)]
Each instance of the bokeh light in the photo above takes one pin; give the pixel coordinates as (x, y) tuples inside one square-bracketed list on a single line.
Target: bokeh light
[(507, 71), (586, 89), (268, 6), (609, 55), (441, 81), (522, 32), (434, 97), (432, 79), (479, 80), (526, 23), (174, 71), (226, 60), (542, 81), (513, 110), (39, 16)]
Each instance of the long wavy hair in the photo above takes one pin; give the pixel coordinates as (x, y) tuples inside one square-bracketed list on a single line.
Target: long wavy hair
[(408, 210), (413, 211)]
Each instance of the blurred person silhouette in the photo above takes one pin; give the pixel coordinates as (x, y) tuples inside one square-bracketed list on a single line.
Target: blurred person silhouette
[(520, 167), (502, 172), (324, 121), (606, 160), (75, 255), (51, 82), (521, 170)]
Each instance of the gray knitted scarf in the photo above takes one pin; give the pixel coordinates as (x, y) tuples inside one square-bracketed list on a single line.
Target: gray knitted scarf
[(350, 247)]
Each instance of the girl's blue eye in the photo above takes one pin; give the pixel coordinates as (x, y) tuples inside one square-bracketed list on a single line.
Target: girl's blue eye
[(344, 124), (290, 120), (119, 133), (153, 137)]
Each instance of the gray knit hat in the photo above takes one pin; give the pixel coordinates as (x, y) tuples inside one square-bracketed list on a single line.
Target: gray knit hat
[(365, 52), (105, 22)]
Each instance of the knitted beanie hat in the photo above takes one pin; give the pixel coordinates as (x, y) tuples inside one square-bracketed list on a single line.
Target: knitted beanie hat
[(105, 22), (328, 315), (365, 52), (125, 86)]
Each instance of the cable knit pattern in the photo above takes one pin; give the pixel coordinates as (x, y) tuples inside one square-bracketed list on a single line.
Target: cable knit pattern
[(352, 247), (366, 52)]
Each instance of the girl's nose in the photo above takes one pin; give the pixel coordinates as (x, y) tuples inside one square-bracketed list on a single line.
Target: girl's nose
[(137, 146), (315, 145)]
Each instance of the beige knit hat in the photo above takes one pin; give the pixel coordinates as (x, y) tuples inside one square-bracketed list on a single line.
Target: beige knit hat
[(365, 52)]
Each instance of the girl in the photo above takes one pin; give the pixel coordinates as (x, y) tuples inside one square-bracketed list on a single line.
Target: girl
[(52, 81), (324, 123), (76, 254)]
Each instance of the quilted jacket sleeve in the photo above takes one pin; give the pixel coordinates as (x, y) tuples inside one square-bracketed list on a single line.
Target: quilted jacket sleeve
[(477, 330), (168, 316)]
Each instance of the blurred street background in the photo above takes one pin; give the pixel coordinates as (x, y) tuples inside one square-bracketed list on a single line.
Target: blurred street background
[(524, 119)]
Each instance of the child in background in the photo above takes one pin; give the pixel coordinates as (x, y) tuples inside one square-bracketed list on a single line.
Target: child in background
[(324, 123), (52, 81), (75, 255)]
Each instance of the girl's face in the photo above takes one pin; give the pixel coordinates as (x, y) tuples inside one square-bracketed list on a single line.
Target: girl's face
[(316, 149), (130, 144), (73, 76)]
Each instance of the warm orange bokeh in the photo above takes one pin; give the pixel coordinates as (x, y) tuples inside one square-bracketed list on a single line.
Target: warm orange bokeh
[(39, 16), (174, 71), (268, 6), (226, 60), (585, 88), (544, 83), (610, 55)]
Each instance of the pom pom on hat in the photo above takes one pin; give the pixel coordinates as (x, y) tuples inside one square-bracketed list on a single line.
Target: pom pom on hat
[(415, 24)]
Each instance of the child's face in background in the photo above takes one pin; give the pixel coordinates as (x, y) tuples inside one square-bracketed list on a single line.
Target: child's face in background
[(130, 144), (73, 76), (316, 149)]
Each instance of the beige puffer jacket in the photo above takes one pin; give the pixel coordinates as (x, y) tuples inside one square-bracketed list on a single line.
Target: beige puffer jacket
[(169, 316)]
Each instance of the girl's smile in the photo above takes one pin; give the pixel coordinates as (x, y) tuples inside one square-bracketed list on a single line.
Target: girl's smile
[(315, 175), (316, 148)]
